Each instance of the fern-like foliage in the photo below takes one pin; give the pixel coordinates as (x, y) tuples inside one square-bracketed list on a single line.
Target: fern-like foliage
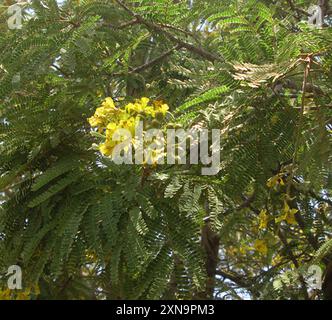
[(82, 227)]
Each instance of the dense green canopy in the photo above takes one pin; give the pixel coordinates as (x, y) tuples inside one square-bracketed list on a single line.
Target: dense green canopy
[(82, 227)]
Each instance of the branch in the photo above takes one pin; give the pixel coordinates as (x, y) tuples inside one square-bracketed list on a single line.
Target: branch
[(150, 63), (155, 61), (60, 70), (188, 33), (158, 28), (236, 279), (198, 50)]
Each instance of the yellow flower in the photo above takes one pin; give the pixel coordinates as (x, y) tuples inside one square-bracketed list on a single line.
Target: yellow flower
[(276, 260), (144, 101), (288, 215), (99, 119), (243, 249), (101, 112), (163, 109), (123, 115), (150, 111), (23, 295), (112, 126), (5, 294), (263, 219), (260, 246), (290, 218), (158, 103), (275, 180), (109, 104), (105, 149), (129, 124), (134, 107), (96, 122)]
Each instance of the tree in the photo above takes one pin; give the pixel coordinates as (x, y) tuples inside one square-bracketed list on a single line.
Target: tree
[(82, 227)]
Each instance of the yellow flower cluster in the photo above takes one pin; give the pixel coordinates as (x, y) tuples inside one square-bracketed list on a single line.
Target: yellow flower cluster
[(259, 246), (109, 118), (287, 215)]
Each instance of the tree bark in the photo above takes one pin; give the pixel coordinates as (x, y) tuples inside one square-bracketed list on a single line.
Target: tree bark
[(210, 243)]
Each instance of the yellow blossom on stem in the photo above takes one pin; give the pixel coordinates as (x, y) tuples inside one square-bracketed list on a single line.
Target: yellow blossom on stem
[(96, 121), (244, 249), (163, 109), (105, 149), (275, 180), (276, 260), (111, 127), (109, 104), (145, 101), (263, 219), (134, 108), (287, 215)]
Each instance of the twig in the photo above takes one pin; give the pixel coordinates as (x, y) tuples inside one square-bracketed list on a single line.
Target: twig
[(60, 70), (155, 61), (150, 63), (188, 33)]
